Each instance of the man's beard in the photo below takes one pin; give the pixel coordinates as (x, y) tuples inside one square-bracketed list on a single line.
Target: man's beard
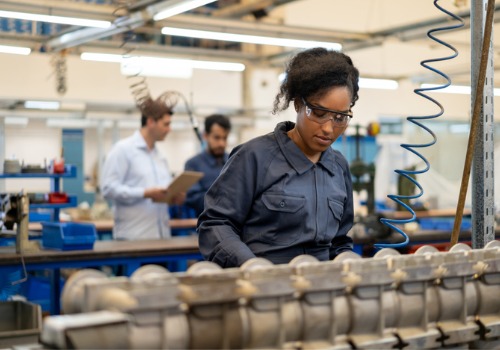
[(217, 152)]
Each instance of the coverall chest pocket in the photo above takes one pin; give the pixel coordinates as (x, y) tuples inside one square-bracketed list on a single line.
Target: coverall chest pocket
[(335, 215), (286, 218)]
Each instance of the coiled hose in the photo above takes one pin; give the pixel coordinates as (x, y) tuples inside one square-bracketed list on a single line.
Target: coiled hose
[(137, 83), (417, 120)]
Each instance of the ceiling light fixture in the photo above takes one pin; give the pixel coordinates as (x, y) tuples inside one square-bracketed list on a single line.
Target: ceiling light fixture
[(158, 10), (53, 105), (250, 39), (381, 84), (101, 57), (155, 67), (18, 121), (70, 123), (180, 7), (150, 64), (454, 89), (18, 50), (83, 22)]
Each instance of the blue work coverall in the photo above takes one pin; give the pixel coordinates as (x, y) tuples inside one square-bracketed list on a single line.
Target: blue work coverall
[(271, 201)]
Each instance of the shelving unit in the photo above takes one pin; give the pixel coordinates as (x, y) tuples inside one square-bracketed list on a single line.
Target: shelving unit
[(55, 186)]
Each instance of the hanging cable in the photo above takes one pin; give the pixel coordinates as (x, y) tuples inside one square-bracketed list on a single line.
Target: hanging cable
[(138, 84), (58, 61), (171, 98), (417, 120)]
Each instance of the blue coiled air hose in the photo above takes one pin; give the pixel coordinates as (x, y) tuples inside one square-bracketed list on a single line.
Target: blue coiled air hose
[(417, 120)]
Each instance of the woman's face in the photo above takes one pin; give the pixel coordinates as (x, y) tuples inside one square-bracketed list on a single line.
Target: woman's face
[(315, 138)]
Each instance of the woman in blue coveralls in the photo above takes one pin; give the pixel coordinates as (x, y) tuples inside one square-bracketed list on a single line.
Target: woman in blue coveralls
[(289, 193)]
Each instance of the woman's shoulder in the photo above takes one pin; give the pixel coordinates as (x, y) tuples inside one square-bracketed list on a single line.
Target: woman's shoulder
[(257, 146), (340, 159)]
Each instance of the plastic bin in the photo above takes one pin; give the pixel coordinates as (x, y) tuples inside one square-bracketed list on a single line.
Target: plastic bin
[(38, 216), (20, 323), (443, 224), (68, 235)]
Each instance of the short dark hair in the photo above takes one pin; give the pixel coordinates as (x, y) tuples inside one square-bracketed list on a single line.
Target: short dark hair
[(314, 71), (218, 119), (155, 109)]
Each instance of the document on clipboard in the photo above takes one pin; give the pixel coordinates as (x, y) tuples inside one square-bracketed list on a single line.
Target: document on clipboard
[(181, 183)]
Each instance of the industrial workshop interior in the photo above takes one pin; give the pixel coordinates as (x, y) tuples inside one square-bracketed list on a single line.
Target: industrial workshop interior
[(249, 174)]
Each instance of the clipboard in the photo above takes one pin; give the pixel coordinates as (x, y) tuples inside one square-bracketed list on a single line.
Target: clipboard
[(181, 183)]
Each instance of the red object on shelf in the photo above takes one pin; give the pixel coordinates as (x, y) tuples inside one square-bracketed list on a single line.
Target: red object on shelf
[(58, 166), (58, 197)]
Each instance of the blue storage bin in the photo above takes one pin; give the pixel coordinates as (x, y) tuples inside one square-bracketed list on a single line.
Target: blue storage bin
[(68, 235), (35, 216), (444, 224)]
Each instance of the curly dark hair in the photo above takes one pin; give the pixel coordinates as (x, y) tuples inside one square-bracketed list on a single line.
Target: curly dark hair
[(312, 72)]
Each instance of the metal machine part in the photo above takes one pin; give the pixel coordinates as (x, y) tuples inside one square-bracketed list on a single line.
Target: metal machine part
[(427, 300), (14, 210)]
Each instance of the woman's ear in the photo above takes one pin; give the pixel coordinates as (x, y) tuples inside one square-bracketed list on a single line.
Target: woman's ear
[(296, 104)]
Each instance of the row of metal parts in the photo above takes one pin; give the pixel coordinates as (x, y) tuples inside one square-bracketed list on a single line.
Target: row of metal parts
[(423, 301)]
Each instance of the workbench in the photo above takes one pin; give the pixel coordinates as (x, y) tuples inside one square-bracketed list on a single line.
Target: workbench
[(437, 238), (104, 228), (174, 252)]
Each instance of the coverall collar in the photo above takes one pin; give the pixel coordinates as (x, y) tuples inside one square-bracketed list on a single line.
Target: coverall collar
[(295, 156)]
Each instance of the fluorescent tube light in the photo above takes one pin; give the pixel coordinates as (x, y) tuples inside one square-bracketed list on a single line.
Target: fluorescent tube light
[(155, 67), (101, 57), (459, 128), (68, 123), (56, 19), (18, 50), (250, 39), (41, 104), (181, 7), (149, 64), (454, 89), (212, 65), (19, 121), (382, 84)]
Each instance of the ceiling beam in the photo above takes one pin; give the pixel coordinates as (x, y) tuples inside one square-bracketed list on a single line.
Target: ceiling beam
[(246, 8), (172, 51), (128, 22), (60, 8), (258, 28)]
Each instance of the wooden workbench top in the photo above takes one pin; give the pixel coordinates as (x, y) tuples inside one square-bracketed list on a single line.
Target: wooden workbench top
[(115, 249), (422, 213), (107, 225)]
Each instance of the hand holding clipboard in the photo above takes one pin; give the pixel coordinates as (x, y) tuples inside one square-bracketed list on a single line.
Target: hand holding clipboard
[(180, 184)]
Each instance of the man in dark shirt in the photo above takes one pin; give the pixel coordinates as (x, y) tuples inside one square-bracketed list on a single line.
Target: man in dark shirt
[(210, 161)]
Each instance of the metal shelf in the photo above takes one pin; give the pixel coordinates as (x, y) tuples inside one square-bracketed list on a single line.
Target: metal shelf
[(70, 171), (72, 202)]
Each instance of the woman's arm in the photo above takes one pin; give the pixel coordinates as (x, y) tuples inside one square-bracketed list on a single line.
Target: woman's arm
[(227, 204)]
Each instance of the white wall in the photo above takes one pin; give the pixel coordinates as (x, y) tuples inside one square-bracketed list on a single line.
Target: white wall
[(32, 77)]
